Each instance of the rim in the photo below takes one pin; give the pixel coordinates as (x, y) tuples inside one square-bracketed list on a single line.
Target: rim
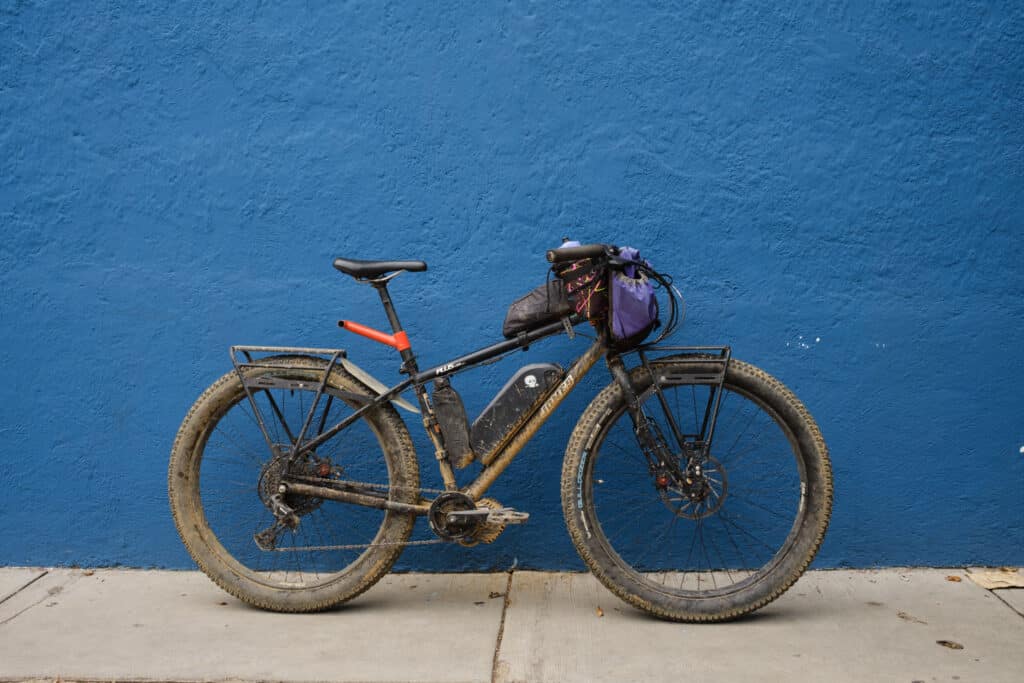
[(235, 475), (725, 551)]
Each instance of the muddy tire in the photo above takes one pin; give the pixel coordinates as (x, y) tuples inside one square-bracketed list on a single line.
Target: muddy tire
[(760, 530), (220, 474)]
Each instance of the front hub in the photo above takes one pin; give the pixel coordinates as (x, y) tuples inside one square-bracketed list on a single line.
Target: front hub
[(696, 492)]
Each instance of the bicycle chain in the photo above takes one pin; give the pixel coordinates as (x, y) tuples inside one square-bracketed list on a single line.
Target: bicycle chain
[(357, 546), (383, 487)]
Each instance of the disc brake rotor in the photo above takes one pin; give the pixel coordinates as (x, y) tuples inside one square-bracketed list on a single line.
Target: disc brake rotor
[(700, 494)]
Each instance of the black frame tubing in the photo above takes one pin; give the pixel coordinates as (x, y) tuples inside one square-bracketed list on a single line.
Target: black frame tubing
[(478, 357), (516, 438), (459, 364)]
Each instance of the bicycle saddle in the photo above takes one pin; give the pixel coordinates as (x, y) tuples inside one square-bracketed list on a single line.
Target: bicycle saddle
[(357, 268)]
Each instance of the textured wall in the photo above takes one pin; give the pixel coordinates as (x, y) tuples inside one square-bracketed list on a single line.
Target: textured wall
[(838, 190)]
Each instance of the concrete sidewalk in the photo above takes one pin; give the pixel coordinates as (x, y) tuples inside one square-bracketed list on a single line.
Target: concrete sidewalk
[(527, 626)]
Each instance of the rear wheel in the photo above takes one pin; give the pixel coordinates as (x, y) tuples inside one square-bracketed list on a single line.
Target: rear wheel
[(223, 480), (705, 539)]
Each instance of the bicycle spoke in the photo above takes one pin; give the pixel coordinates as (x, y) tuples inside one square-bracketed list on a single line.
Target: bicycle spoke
[(748, 475), (238, 476)]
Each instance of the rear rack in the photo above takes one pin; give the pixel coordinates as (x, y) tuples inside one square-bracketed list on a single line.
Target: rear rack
[(250, 383), (247, 351)]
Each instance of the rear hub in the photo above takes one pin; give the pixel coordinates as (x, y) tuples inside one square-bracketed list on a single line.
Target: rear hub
[(277, 468)]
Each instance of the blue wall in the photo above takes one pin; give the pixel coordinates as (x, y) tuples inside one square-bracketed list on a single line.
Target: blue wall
[(838, 189)]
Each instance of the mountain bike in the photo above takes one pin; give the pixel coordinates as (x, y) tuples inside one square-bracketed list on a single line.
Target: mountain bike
[(695, 487)]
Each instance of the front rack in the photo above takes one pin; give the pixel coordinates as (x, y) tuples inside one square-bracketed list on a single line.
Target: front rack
[(718, 357)]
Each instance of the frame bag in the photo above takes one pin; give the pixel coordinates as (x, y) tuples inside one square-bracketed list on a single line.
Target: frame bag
[(545, 304)]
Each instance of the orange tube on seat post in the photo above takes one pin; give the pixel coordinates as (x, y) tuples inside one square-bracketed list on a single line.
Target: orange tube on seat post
[(398, 341)]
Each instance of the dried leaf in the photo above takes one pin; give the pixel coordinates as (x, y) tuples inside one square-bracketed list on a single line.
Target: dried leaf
[(952, 645), (600, 612), (953, 577), (88, 572)]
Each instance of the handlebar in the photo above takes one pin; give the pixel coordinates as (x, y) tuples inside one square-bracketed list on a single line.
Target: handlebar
[(576, 253)]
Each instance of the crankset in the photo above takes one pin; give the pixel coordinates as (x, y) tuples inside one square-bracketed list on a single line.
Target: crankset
[(454, 516)]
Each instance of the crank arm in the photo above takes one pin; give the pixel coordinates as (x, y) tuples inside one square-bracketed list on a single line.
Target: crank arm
[(499, 516)]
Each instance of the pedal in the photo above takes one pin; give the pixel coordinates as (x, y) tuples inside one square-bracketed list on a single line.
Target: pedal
[(497, 516), (507, 516)]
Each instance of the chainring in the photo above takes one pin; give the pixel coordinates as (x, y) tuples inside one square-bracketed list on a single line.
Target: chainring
[(486, 532), (447, 502)]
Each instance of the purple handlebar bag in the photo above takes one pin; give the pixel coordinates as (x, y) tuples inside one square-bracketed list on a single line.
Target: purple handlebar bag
[(634, 308)]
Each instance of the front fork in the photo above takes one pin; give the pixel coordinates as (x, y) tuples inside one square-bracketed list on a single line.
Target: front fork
[(664, 465)]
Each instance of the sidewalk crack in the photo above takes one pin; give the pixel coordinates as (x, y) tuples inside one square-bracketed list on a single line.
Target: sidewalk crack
[(22, 611), (30, 582), (1003, 600), (53, 590), (501, 628)]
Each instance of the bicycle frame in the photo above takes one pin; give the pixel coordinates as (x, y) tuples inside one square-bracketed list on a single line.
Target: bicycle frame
[(499, 460), (508, 447)]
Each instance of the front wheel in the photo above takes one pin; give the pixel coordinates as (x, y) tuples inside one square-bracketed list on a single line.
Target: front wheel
[(707, 543)]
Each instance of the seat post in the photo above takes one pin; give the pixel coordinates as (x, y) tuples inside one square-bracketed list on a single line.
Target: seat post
[(408, 357)]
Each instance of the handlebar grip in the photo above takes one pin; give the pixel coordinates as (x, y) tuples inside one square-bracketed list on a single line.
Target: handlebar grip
[(576, 253)]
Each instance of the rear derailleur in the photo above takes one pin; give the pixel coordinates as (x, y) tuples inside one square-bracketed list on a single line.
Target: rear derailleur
[(286, 519), (288, 509)]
